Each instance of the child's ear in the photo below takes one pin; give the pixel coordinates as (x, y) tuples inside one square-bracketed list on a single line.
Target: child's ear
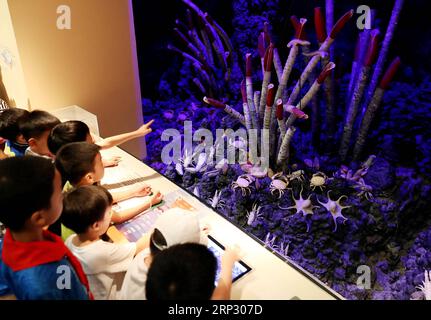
[(95, 226), (38, 219), (32, 142), (88, 178)]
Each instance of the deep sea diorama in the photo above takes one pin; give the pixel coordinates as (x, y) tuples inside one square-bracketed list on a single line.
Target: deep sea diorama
[(348, 182)]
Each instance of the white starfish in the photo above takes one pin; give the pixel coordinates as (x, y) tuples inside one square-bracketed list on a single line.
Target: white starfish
[(335, 208), (302, 205)]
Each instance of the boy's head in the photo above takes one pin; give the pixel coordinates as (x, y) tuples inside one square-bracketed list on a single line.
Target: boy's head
[(67, 132), (87, 209), (36, 127), (30, 193), (10, 120), (182, 272), (80, 163), (173, 227)]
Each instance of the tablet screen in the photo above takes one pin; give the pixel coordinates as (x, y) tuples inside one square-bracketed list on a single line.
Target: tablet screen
[(239, 269)]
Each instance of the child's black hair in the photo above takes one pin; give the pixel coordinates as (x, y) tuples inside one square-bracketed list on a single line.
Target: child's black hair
[(75, 160), (26, 186), (10, 120), (67, 132), (182, 272), (84, 206), (36, 123)]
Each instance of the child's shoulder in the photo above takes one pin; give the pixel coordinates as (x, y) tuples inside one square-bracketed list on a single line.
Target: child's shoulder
[(54, 281)]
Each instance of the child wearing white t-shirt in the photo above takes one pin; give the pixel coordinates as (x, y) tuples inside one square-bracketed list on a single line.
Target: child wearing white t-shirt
[(174, 226), (87, 211)]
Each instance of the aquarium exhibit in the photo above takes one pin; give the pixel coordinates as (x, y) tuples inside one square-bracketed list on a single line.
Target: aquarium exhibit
[(304, 123)]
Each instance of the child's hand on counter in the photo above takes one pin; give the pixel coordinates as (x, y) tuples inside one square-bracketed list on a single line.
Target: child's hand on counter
[(156, 198), (142, 190), (111, 162)]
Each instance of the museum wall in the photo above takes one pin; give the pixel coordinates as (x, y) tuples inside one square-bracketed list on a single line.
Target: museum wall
[(12, 75), (84, 57)]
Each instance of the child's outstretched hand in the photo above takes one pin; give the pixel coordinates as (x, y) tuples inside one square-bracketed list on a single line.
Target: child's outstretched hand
[(145, 129), (156, 198), (142, 190), (111, 162), (231, 255)]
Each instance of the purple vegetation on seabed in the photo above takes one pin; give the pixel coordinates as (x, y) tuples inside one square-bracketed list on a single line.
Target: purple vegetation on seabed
[(391, 233)]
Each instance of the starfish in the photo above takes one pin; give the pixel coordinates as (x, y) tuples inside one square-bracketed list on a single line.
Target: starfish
[(303, 206), (335, 208)]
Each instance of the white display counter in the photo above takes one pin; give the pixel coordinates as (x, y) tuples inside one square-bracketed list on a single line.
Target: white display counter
[(270, 278)]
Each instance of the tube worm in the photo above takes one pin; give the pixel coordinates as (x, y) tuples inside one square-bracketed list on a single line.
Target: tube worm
[(248, 114), (293, 54), (216, 44), (249, 88), (276, 57), (202, 27), (256, 100), (357, 94), (319, 25), (298, 25), (208, 78), (373, 107), (277, 64), (204, 74), (206, 41), (187, 56), (378, 69), (183, 39), (319, 22), (311, 92), (246, 110), (269, 103), (199, 84), (261, 49), (280, 118), (283, 154), (315, 59), (228, 109), (198, 43), (182, 25), (354, 68), (266, 79), (224, 37)]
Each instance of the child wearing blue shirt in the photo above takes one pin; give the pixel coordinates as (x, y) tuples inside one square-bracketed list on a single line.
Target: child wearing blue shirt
[(34, 263)]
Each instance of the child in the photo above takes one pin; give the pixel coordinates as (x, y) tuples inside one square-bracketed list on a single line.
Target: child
[(87, 211), (34, 263), (80, 163), (78, 131), (3, 106), (188, 272), (172, 227), (10, 120), (35, 128)]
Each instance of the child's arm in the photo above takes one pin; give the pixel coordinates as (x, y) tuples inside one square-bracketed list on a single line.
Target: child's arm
[(121, 216), (222, 291), (130, 192), (143, 242), (121, 138)]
